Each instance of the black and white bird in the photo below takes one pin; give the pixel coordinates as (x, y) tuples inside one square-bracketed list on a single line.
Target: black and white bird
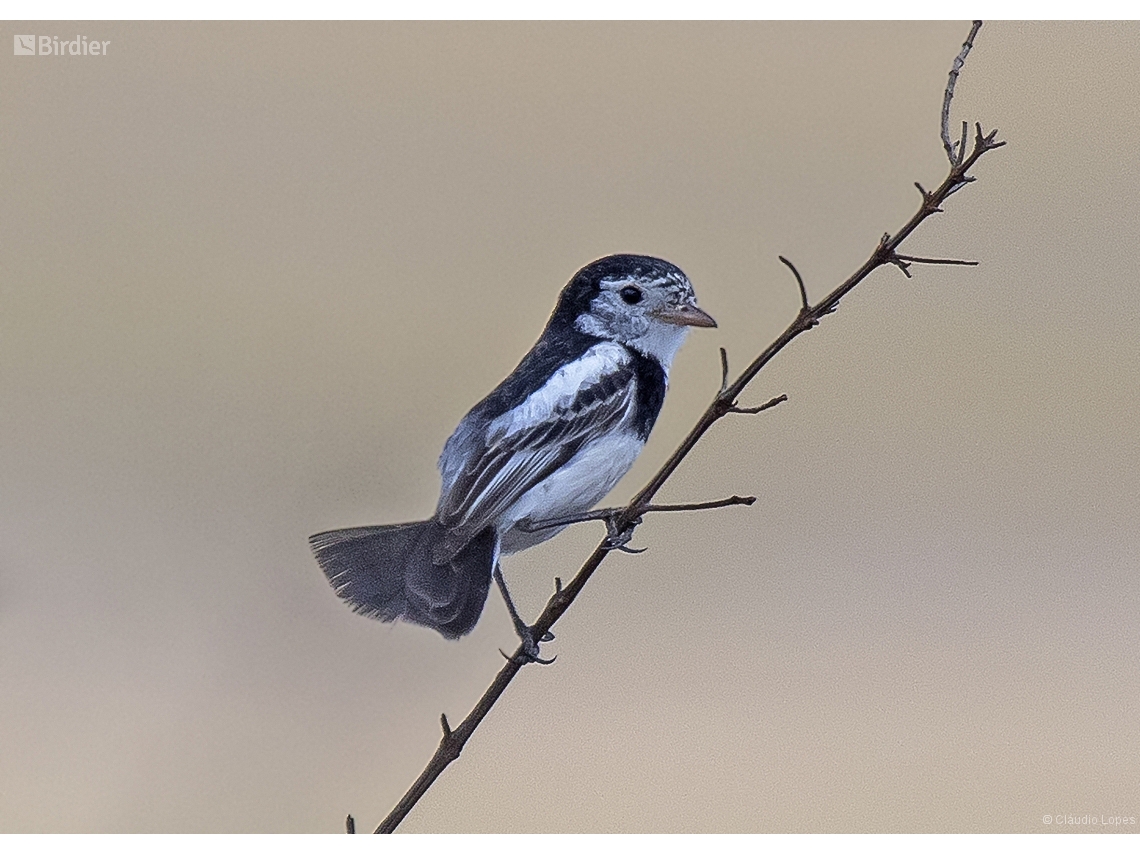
[(548, 443)]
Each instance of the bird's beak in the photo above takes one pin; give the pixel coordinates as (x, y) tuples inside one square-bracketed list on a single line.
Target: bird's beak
[(685, 316)]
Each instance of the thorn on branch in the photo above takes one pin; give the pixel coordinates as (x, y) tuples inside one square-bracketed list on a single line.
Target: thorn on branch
[(446, 727), (555, 599), (928, 200), (804, 305)]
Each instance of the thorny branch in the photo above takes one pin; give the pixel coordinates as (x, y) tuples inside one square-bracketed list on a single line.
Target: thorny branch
[(622, 521)]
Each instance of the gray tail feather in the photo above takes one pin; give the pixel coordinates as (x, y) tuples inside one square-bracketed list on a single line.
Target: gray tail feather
[(386, 572)]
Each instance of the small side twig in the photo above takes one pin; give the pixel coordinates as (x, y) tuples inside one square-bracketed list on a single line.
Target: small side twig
[(903, 262), (608, 514), (804, 304), (767, 405), (914, 259)]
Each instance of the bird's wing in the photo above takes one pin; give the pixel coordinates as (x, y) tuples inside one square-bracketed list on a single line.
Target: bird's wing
[(583, 400)]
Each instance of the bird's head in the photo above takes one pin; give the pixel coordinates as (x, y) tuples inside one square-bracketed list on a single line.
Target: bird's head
[(637, 300)]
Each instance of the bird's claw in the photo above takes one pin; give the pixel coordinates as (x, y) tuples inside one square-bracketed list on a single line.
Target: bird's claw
[(617, 538), (528, 651), (529, 648), (629, 550)]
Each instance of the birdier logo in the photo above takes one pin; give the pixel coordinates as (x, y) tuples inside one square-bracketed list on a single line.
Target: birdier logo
[(54, 46)]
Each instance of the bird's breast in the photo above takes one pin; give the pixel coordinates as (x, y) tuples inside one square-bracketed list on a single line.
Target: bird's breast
[(574, 489)]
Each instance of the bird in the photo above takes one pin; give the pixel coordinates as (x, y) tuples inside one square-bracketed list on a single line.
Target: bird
[(549, 442)]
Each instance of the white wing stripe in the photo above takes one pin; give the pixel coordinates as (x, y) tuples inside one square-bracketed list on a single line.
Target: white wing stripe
[(560, 390)]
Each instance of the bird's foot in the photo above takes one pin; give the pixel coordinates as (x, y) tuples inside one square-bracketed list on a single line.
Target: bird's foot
[(529, 649), (617, 539)]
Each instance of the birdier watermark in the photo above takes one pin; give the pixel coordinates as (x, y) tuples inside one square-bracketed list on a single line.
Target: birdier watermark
[(1088, 820), (55, 46)]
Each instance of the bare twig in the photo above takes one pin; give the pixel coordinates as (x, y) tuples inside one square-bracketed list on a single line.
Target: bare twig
[(724, 402), (948, 96), (751, 411), (804, 302), (350, 824), (914, 259), (903, 262), (607, 514)]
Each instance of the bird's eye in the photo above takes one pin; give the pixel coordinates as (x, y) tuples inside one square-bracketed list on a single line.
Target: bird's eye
[(631, 294)]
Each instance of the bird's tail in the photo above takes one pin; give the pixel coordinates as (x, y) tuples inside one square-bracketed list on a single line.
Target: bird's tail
[(386, 572)]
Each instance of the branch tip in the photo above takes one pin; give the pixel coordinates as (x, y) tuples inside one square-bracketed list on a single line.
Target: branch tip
[(723, 370), (446, 727), (948, 96), (986, 142), (349, 825)]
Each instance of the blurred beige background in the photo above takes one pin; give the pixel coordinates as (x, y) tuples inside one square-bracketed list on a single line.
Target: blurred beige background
[(252, 275)]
